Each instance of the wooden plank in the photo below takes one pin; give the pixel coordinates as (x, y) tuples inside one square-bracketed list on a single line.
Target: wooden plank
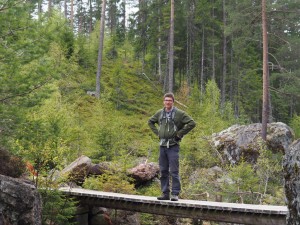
[(205, 210)]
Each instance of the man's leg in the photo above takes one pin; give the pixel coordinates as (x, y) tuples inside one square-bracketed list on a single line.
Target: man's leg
[(164, 170), (173, 154)]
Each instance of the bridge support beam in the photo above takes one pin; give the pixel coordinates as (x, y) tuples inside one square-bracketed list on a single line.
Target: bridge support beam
[(204, 210)]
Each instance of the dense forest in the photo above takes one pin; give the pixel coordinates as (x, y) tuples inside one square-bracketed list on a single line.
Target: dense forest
[(82, 77)]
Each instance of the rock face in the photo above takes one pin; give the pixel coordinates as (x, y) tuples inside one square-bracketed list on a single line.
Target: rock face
[(291, 168), (78, 170), (144, 172), (243, 141), (82, 168), (20, 202)]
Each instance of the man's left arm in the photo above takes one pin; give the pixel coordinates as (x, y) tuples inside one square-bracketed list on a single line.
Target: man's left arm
[(188, 125)]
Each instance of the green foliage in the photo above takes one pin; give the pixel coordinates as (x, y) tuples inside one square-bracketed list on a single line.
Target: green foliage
[(284, 92), (207, 112), (295, 125), (152, 189), (47, 134), (210, 118), (46, 71), (195, 181), (269, 171), (30, 61), (57, 208), (150, 219), (116, 182), (240, 183)]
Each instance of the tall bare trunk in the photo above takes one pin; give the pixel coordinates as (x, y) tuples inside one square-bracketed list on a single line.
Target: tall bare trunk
[(100, 50), (202, 63), (49, 6), (213, 77), (111, 17), (72, 13), (265, 110), (190, 44), (65, 9), (231, 74), (159, 52), (80, 23), (142, 28), (91, 17), (213, 48), (171, 49), (124, 17), (39, 9), (223, 89)]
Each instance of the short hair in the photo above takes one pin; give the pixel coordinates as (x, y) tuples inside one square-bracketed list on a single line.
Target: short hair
[(170, 95)]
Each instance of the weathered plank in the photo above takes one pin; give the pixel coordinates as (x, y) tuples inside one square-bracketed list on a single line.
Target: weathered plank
[(205, 210)]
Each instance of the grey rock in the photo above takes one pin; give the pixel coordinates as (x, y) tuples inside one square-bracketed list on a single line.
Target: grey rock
[(20, 202), (291, 168), (144, 172), (244, 141), (78, 170)]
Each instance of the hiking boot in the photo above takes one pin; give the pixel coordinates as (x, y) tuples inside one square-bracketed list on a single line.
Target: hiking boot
[(174, 198), (164, 197)]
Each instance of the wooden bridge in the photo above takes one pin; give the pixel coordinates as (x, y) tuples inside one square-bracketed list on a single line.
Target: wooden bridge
[(204, 210)]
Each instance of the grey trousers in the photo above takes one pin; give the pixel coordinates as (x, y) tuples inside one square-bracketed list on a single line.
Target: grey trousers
[(169, 168)]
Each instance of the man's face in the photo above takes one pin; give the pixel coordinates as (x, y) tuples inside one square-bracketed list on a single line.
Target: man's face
[(168, 103)]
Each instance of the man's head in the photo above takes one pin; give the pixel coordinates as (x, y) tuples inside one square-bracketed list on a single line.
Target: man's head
[(169, 95), (169, 101)]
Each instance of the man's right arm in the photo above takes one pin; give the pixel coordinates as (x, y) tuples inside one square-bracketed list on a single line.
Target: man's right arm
[(152, 121)]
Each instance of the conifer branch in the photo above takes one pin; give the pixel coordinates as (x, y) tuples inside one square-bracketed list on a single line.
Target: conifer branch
[(27, 92)]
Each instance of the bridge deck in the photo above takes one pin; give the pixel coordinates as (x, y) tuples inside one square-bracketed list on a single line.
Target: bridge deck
[(205, 210)]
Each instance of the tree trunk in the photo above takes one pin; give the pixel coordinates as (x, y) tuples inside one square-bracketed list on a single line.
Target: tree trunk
[(65, 9), (171, 49), (124, 17), (142, 29), (190, 39), (100, 50), (91, 17), (202, 64), (213, 47), (159, 53), (112, 16), (187, 60), (223, 85), (80, 23), (49, 7), (231, 92), (237, 90), (39, 9), (72, 13), (265, 110)]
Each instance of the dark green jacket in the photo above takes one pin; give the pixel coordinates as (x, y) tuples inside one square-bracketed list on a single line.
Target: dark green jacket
[(167, 130)]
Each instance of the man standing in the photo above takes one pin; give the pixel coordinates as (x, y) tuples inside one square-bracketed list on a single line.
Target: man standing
[(173, 124)]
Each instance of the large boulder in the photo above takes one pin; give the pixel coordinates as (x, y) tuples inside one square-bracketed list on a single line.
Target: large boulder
[(78, 170), (20, 202), (244, 141), (291, 168), (144, 173), (81, 168)]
